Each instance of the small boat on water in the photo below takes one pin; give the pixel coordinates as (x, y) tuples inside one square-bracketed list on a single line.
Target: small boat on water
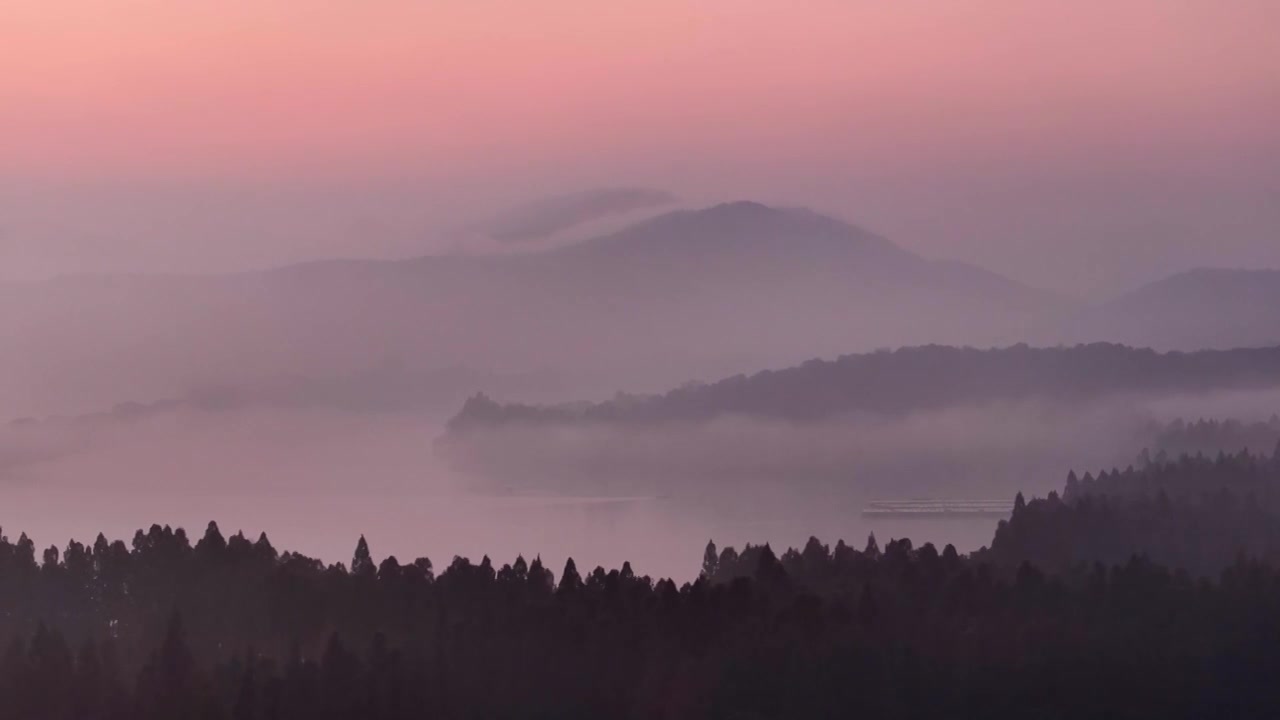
[(938, 508)]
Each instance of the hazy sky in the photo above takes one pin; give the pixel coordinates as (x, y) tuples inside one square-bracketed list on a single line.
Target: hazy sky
[(1084, 146)]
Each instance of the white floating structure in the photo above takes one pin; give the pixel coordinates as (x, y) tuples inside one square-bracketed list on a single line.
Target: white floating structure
[(938, 508)]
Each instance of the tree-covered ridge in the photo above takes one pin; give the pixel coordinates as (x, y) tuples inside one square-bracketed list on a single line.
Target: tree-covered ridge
[(1195, 513), (1180, 437), (910, 379)]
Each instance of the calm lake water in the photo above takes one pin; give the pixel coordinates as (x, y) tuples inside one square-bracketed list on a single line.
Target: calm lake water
[(315, 482)]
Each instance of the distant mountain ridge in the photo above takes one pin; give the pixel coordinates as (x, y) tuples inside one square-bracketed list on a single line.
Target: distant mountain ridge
[(686, 294), (1199, 308)]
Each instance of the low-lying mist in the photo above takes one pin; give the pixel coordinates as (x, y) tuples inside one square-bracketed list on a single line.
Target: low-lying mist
[(996, 448), (952, 452), (317, 479)]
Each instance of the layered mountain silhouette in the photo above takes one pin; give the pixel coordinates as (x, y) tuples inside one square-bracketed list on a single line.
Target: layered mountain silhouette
[(687, 294), (1203, 308)]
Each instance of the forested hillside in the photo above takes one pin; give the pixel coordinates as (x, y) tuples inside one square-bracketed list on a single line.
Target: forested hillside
[(911, 379), (1195, 513), (1209, 437)]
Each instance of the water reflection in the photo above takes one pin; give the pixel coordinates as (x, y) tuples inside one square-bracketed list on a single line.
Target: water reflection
[(315, 483)]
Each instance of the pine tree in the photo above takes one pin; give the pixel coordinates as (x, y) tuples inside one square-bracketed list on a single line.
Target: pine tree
[(212, 545), (540, 577), (769, 571), (570, 580), (263, 549), (710, 561), (362, 562)]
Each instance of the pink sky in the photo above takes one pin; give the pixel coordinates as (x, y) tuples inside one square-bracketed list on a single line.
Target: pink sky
[(922, 119)]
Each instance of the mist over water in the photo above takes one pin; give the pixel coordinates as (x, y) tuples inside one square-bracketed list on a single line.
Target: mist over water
[(315, 480)]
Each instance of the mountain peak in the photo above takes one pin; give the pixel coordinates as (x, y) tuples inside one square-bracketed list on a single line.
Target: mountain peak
[(728, 215), (739, 207), (744, 224)]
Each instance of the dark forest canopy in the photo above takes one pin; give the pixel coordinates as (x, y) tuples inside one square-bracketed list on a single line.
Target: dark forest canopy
[(911, 379), (233, 628), (230, 629)]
